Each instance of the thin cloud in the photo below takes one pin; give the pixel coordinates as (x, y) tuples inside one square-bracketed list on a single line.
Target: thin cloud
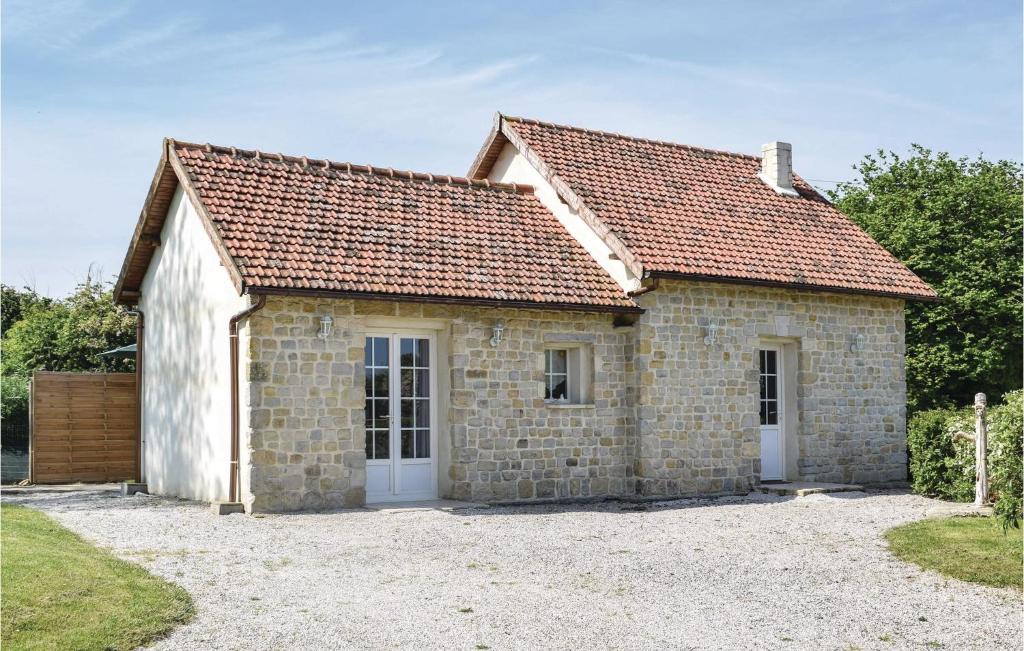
[(188, 40), (59, 24), (719, 74), (127, 48), (766, 81), (481, 74)]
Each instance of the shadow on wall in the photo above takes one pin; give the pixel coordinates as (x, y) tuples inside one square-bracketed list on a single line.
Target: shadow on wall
[(187, 405)]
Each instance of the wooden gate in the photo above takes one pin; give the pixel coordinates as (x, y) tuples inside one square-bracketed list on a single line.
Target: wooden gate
[(83, 427)]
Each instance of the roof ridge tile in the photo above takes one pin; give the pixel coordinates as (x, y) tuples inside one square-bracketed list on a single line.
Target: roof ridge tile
[(613, 134), (305, 162)]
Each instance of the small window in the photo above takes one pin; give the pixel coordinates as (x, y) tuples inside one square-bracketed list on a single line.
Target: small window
[(556, 375), (567, 373)]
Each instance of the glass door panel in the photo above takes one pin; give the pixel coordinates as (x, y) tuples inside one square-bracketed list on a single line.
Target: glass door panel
[(399, 418), (378, 403), (415, 398), (377, 419)]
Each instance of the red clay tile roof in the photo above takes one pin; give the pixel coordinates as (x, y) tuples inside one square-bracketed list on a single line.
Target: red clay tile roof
[(696, 212), (295, 224)]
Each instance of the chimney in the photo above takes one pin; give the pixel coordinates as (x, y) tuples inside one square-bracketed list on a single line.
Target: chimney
[(777, 167)]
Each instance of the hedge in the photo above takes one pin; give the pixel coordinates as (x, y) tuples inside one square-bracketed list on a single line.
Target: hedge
[(943, 466)]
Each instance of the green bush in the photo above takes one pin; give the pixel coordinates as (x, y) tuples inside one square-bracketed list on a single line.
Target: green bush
[(939, 466), (942, 465), (1006, 458)]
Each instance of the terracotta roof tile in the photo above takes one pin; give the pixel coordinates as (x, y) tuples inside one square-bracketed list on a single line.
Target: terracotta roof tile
[(296, 223), (702, 212)]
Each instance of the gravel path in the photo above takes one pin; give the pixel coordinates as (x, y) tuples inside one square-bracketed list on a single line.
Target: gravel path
[(738, 573)]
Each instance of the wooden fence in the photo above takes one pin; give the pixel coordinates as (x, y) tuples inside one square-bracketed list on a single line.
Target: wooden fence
[(83, 427)]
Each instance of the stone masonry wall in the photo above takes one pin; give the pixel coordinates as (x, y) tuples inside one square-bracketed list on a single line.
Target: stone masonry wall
[(507, 443), (669, 414), (305, 411), (697, 409), (306, 423)]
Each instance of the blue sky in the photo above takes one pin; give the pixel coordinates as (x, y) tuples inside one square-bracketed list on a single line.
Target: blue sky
[(90, 88)]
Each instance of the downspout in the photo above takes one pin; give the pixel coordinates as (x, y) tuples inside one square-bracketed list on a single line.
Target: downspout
[(140, 378), (261, 300)]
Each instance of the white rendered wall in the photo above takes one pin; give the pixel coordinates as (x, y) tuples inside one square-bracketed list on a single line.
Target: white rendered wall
[(513, 167), (188, 298)]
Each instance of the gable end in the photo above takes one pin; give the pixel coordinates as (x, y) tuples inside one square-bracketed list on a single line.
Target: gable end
[(503, 133), (146, 238)]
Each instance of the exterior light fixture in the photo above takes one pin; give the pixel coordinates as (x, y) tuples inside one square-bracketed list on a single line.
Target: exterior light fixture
[(496, 333), (326, 322), (857, 343), (711, 335)]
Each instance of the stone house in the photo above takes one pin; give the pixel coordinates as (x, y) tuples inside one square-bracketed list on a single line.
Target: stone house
[(586, 314)]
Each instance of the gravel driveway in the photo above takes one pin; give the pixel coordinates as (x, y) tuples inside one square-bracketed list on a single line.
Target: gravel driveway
[(738, 573)]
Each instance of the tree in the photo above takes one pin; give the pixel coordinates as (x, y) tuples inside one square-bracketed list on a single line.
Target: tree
[(957, 224), (69, 334), (15, 303)]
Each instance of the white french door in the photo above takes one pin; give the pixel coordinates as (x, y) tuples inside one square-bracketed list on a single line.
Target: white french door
[(771, 402), (401, 432)]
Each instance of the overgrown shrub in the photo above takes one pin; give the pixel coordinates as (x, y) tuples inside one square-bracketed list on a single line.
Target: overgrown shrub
[(942, 465)]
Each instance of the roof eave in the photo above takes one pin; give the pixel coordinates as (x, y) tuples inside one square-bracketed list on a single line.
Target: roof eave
[(489, 152), (163, 176), (450, 300), (827, 289)]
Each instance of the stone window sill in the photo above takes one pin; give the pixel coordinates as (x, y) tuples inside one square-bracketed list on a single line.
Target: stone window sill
[(569, 405)]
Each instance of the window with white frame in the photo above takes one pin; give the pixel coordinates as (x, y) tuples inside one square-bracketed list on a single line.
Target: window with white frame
[(556, 374), (567, 372)]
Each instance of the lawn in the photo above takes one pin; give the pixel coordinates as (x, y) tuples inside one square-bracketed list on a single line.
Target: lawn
[(970, 549), (60, 592)]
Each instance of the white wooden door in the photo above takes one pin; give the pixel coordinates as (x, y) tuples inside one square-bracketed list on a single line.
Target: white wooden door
[(771, 406), (401, 440)]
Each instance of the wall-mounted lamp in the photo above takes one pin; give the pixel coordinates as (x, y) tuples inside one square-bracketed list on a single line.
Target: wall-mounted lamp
[(857, 343), (326, 322), (496, 333), (711, 335)]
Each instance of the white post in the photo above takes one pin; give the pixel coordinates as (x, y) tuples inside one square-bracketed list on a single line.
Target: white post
[(980, 451)]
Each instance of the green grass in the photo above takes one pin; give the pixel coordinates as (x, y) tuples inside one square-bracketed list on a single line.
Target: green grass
[(60, 592), (970, 549)]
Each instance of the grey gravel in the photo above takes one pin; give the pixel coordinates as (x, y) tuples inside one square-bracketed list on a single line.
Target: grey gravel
[(739, 573)]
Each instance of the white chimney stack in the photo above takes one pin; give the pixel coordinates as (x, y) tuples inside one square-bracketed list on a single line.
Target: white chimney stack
[(777, 167)]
